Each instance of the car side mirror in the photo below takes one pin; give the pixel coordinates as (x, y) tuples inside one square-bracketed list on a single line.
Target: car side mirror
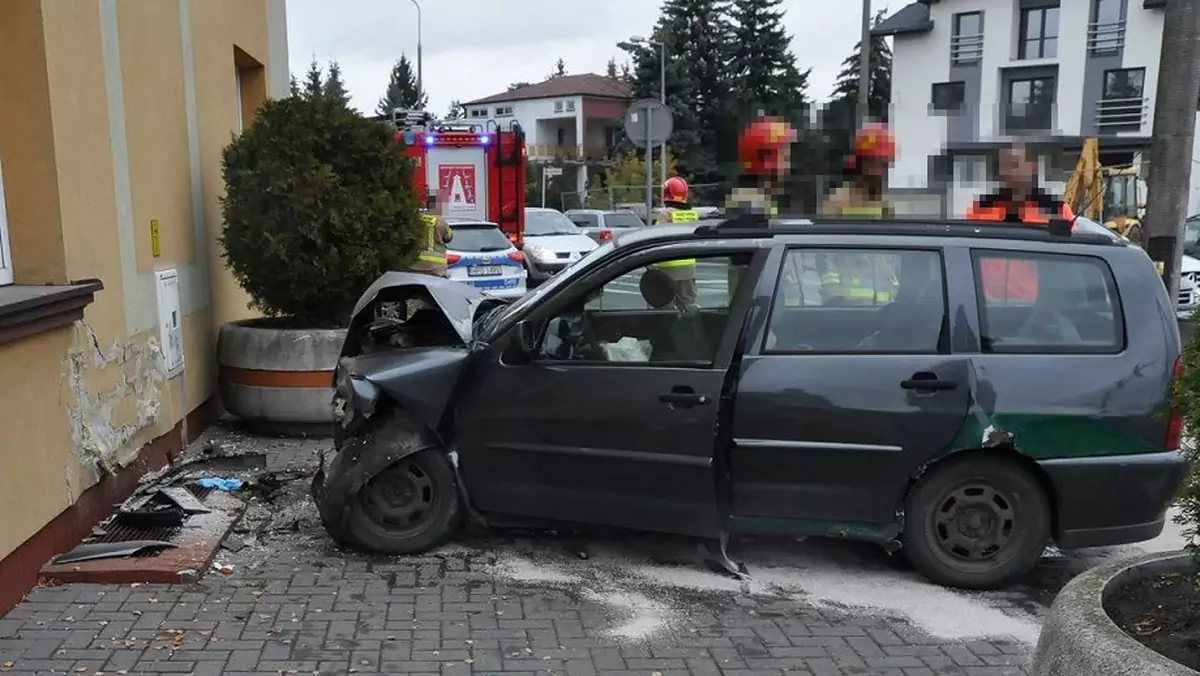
[(526, 335)]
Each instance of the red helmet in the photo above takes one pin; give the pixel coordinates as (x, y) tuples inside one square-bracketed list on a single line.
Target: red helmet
[(761, 146), (675, 189), (875, 141)]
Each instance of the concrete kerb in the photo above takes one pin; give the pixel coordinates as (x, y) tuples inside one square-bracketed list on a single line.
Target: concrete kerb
[(278, 379), (1080, 638)]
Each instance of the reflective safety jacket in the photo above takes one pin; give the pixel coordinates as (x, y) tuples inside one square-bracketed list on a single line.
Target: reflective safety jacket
[(866, 287), (683, 267), (1014, 279), (851, 202), (432, 258)]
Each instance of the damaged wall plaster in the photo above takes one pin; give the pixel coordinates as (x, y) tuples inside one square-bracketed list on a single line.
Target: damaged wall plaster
[(101, 443)]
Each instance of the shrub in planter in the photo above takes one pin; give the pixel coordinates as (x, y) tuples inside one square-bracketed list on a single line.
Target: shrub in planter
[(1162, 610), (318, 204)]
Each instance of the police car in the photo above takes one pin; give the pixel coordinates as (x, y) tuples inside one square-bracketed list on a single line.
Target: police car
[(481, 256)]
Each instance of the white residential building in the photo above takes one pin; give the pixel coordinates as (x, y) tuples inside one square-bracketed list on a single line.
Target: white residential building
[(573, 118), (968, 75)]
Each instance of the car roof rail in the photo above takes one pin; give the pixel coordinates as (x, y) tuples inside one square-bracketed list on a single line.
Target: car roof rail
[(761, 225)]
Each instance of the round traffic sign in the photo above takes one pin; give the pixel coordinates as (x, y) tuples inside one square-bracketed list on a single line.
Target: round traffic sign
[(649, 122)]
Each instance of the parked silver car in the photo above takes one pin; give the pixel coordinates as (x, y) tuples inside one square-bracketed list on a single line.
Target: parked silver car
[(602, 225)]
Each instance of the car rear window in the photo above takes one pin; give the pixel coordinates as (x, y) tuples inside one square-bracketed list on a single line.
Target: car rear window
[(1047, 303), (585, 220), (622, 219), (478, 238)]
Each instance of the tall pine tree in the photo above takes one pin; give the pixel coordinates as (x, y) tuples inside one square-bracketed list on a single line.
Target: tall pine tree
[(402, 90), (762, 67), (335, 86), (610, 70), (455, 112), (313, 85), (560, 70)]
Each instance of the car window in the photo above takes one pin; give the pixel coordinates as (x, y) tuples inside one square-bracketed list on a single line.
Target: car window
[(656, 314), (1047, 303), (622, 219), (544, 223), (585, 220), (858, 300), (478, 238)]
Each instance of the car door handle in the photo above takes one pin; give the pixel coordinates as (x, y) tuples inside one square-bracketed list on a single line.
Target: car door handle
[(928, 382), (684, 399)]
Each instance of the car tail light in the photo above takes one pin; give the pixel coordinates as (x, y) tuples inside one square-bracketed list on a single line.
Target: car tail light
[(451, 259), (517, 256), (605, 235), (1175, 420)]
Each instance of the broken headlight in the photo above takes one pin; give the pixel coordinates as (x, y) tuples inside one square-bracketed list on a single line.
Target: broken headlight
[(354, 399)]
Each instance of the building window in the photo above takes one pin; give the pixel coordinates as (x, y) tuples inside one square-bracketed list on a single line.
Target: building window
[(1030, 105), (570, 106), (1106, 32), (6, 273), (504, 111), (1122, 106), (966, 44), (239, 122), (948, 96), (1039, 33), (479, 113), (558, 106)]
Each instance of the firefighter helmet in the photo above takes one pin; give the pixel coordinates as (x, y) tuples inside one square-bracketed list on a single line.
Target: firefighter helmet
[(675, 189), (761, 146), (875, 141)]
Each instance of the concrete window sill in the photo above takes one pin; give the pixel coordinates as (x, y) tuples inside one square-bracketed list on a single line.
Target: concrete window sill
[(27, 311)]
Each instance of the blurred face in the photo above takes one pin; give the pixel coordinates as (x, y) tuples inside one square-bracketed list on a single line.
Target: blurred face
[(785, 162), (1016, 168), (874, 167)]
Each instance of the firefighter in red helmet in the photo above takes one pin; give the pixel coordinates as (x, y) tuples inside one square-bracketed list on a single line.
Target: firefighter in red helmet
[(764, 158), (676, 209)]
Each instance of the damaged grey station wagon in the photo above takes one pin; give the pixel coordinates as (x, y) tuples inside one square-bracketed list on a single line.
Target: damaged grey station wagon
[(999, 387)]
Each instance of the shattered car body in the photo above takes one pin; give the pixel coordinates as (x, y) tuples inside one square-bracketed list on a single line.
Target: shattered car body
[(966, 430)]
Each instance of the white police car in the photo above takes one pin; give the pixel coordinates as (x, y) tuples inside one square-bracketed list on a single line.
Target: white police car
[(483, 257)]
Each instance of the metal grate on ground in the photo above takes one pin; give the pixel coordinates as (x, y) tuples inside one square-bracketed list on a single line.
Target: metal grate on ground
[(112, 530)]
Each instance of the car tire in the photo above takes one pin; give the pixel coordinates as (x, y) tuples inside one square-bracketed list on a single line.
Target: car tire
[(976, 522), (408, 508)]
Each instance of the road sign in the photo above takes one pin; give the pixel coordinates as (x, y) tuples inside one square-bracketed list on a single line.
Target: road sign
[(552, 171), (649, 121)]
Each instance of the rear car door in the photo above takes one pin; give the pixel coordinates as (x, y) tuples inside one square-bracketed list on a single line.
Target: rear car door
[(612, 420), (839, 404)]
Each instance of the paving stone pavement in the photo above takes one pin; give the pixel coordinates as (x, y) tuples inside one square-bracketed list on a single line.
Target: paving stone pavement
[(296, 605)]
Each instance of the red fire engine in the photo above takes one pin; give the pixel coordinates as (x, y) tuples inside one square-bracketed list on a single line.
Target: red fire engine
[(477, 171)]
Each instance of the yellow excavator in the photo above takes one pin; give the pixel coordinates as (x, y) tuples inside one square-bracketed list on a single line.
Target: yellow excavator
[(1110, 195)]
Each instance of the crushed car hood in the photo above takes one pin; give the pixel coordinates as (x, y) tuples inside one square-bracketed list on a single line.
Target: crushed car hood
[(457, 301)]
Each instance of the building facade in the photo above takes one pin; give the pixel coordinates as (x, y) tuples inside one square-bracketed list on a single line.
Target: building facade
[(971, 74), (573, 118), (113, 116)]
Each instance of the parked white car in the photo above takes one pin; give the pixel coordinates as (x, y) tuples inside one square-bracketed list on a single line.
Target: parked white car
[(552, 242)]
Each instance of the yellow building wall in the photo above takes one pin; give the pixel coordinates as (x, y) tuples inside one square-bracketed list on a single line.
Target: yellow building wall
[(81, 199)]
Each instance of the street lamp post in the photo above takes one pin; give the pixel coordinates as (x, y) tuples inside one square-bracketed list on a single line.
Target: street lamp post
[(662, 92), (420, 79)]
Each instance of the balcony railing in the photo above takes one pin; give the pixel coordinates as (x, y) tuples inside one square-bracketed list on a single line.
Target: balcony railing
[(1027, 118), (1128, 114), (1105, 36), (541, 151), (966, 49)]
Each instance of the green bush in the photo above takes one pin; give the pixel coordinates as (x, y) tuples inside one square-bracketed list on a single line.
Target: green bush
[(318, 204), (1187, 397)]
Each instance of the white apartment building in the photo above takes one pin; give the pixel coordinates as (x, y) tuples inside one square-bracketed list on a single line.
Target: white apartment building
[(572, 118), (969, 75)]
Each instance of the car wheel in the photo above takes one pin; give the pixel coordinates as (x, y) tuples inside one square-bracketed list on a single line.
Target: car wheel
[(977, 522), (410, 507)]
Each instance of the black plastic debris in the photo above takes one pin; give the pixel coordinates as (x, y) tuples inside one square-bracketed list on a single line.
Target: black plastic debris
[(111, 550)]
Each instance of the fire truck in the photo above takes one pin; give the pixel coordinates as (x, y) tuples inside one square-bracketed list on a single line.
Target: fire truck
[(477, 171)]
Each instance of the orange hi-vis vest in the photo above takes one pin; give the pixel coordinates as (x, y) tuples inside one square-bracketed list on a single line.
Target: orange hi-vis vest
[(1013, 279)]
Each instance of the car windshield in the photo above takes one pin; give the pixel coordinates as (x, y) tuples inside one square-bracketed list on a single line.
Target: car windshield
[(622, 219), (478, 238), (545, 223), (1191, 234), (563, 278)]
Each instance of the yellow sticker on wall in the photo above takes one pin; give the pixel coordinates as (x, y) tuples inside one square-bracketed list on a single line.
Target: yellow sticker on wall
[(155, 246)]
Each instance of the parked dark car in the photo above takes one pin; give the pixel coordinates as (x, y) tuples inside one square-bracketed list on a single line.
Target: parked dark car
[(948, 418)]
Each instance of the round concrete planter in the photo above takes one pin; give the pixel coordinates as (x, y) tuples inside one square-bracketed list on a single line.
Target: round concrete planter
[(1080, 638), (277, 379)]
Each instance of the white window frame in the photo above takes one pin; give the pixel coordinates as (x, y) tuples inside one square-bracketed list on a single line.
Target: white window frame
[(239, 124), (6, 271)]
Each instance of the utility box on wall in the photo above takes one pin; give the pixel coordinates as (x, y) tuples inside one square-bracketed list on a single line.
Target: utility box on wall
[(170, 320)]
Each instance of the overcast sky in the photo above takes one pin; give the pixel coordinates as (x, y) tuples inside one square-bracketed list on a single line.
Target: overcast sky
[(474, 48)]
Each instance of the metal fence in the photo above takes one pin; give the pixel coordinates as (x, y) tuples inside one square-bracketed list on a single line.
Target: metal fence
[(631, 196)]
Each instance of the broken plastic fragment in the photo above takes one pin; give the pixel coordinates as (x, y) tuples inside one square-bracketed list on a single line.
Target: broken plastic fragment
[(220, 483)]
